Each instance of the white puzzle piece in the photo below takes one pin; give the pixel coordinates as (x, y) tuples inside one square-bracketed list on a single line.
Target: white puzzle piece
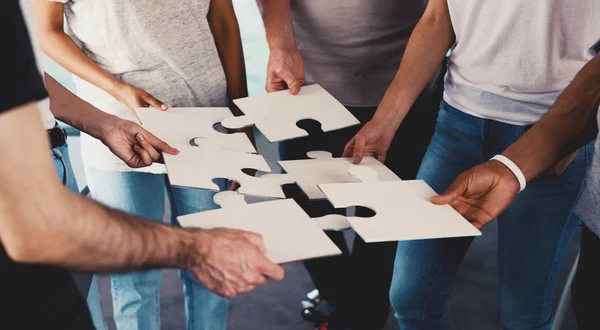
[(178, 126), (323, 168), (403, 209), (288, 232), (196, 167), (276, 114)]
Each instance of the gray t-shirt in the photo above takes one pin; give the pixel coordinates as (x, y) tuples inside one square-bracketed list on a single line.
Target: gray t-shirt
[(353, 47), (588, 208)]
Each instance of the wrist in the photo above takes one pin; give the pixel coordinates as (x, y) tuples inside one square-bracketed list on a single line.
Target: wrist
[(114, 88), (100, 125), (193, 247), (513, 169)]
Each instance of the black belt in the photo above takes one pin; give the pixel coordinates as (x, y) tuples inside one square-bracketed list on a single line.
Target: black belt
[(57, 136)]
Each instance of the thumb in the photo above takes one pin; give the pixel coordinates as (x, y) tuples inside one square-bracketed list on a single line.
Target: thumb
[(456, 189), (359, 148), (294, 84)]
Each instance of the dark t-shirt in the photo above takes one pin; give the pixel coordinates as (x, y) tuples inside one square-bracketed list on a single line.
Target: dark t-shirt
[(31, 296)]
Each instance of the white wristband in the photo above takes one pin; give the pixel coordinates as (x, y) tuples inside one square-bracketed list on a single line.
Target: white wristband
[(513, 168)]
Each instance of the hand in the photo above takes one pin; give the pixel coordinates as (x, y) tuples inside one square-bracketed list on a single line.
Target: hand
[(134, 98), (132, 143), (285, 70), (373, 139), (558, 169), (481, 193), (231, 262)]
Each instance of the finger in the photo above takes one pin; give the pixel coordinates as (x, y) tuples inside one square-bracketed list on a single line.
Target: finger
[(248, 289), (144, 156), (160, 144), (456, 189), (151, 100), (359, 148), (155, 155), (382, 156), (271, 270), (349, 148), (291, 81), (256, 240)]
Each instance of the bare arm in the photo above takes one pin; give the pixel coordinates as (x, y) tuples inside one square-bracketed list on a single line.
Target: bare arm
[(569, 125), (61, 48), (483, 192), (126, 139), (285, 69), (43, 222), (224, 26), (426, 49)]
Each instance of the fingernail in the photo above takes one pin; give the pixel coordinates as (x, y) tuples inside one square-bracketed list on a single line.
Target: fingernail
[(164, 107), (355, 160), (176, 150), (142, 137)]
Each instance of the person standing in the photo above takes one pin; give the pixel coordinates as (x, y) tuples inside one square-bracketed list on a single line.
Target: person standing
[(352, 49), (132, 54), (510, 61), (47, 230), (485, 191)]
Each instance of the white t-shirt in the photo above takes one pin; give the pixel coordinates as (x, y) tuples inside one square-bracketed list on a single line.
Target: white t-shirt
[(163, 47), (44, 105), (512, 58)]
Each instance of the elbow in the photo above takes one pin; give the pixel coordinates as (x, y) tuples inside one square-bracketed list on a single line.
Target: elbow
[(47, 38), (21, 241), (19, 248)]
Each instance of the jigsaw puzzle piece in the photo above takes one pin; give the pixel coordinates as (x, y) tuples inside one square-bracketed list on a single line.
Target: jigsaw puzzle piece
[(322, 168), (196, 167), (276, 114), (179, 126), (274, 220), (403, 209), (333, 222)]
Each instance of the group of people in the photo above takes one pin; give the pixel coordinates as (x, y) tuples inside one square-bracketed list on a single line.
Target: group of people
[(503, 127)]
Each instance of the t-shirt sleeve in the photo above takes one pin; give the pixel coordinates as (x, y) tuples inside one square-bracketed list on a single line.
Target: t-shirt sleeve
[(20, 80)]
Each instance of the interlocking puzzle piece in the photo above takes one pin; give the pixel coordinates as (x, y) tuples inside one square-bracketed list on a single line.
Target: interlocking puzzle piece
[(178, 126), (196, 167), (276, 114), (289, 233), (323, 168), (403, 209)]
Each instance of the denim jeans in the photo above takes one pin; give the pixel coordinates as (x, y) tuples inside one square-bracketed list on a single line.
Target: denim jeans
[(533, 233), (62, 164), (136, 295)]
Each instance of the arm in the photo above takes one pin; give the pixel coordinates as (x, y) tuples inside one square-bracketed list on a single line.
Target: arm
[(426, 49), (126, 139), (483, 192), (43, 222), (285, 68), (61, 48), (226, 32), (224, 26)]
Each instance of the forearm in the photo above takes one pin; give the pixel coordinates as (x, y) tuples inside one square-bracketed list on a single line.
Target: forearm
[(43, 222), (277, 17), (226, 32), (569, 124), (426, 49), (76, 112), (62, 49)]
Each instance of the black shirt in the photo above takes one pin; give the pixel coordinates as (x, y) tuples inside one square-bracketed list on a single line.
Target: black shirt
[(31, 296)]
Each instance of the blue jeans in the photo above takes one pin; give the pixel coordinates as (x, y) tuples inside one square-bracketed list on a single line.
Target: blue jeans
[(136, 295), (533, 233), (62, 164)]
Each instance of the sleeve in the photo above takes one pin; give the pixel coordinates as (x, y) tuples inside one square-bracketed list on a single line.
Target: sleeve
[(20, 81)]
